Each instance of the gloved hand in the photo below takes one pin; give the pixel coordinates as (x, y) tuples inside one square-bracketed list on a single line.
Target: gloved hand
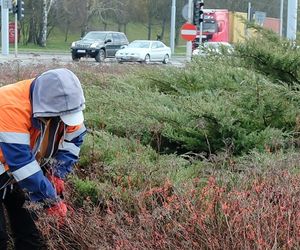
[(58, 183), (58, 210)]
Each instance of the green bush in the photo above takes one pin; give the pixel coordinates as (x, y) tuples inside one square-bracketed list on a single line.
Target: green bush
[(275, 57), (84, 190), (201, 111), (126, 162)]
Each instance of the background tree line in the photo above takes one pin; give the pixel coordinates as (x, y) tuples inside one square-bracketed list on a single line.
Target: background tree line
[(83, 15)]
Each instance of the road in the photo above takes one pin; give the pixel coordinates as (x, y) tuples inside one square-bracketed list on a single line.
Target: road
[(65, 58)]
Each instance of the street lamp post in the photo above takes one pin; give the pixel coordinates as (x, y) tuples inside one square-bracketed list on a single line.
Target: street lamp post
[(281, 17), (292, 19), (4, 27)]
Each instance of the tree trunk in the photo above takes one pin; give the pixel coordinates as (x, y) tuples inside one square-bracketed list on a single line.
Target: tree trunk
[(67, 31), (149, 26), (49, 30), (163, 28), (43, 34), (85, 24), (32, 31), (125, 28)]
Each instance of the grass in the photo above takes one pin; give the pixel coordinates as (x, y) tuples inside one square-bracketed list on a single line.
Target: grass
[(56, 40), (180, 50)]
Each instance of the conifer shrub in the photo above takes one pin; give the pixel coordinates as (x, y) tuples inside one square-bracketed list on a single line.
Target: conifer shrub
[(198, 111), (272, 56)]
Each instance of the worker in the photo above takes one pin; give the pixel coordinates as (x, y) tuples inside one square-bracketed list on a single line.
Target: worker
[(41, 131)]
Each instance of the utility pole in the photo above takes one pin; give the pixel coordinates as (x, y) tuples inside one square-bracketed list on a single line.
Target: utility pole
[(281, 17), (173, 25), (249, 12), (248, 17), (292, 19), (190, 20), (4, 27)]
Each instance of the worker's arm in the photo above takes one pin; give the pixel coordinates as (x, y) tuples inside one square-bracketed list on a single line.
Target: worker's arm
[(15, 146), (24, 168), (68, 151)]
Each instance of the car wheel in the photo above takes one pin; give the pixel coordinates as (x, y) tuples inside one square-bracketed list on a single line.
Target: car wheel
[(100, 57), (147, 59), (75, 57), (166, 59)]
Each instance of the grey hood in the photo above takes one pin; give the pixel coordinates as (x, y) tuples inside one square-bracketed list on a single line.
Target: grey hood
[(57, 92)]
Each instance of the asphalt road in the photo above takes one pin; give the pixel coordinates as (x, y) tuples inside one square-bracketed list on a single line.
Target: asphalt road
[(36, 58)]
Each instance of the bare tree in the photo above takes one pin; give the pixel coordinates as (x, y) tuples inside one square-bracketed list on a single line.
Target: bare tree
[(100, 9), (32, 19), (122, 15), (69, 15), (163, 16)]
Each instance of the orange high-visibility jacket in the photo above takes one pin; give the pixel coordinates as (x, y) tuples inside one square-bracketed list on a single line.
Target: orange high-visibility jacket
[(20, 140)]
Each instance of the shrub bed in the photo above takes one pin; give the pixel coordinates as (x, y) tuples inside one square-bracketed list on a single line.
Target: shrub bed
[(202, 157)]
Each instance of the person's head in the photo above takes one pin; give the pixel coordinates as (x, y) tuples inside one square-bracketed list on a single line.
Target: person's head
[(56, 93)]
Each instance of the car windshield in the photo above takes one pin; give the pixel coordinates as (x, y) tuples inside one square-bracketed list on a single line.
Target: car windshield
[(95, 36), (210, 27), (142, 45)]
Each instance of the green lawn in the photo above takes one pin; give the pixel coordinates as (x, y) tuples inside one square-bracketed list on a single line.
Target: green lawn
[(134, 31)]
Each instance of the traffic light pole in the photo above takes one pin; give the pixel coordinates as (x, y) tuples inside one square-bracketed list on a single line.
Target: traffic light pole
[(201, 26), (16, 35), (200, 33), (190, 20)]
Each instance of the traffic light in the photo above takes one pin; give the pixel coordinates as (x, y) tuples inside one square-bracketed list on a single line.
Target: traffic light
[(198, 12), (20, 9), (14, 6)]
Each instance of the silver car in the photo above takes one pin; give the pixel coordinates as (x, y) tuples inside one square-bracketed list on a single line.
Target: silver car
[(144, 51)]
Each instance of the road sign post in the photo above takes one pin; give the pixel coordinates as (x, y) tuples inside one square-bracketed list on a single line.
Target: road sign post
[(190, 20)]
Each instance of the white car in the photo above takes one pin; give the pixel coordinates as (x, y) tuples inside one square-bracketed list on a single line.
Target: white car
[(144, 51)]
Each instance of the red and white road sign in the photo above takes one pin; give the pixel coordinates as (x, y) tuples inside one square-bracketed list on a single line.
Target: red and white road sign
[(188, 31)]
